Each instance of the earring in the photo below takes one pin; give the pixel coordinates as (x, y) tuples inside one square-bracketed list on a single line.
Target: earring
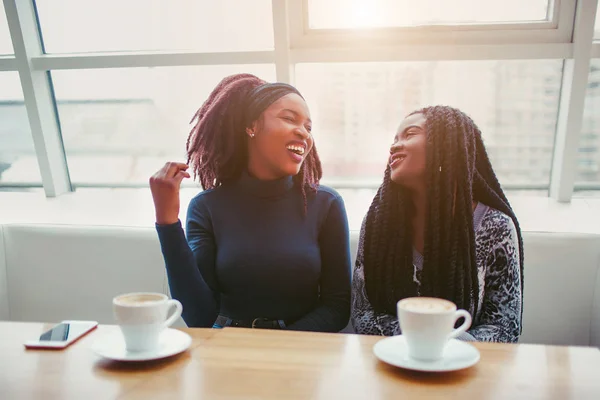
[(252, 135), (440, 168)]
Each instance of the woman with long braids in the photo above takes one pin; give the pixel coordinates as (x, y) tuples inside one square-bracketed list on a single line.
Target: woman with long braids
[(266, 246), (440, 226)]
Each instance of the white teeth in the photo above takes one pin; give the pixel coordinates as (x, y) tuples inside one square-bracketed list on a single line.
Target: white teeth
[(296, 149), (397, 157)]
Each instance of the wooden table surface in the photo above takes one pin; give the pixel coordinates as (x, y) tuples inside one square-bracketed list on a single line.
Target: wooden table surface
[(235, 363)]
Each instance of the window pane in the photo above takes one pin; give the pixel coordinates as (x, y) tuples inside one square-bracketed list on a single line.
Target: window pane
[(18, 162), (589, 148), (340, 14), (122, 125), (5, 42), (114, 25), (357, 108)]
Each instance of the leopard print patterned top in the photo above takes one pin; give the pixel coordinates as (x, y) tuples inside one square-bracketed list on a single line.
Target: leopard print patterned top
[(497, 255)]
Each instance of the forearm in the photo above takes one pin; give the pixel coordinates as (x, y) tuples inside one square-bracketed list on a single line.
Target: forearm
[(185, 280), (368, 322), (333, 310), (331, 315), (365, 319), (493, 333), (500, 319)]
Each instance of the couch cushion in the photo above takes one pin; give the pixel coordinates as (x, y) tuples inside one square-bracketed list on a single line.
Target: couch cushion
[(73, 272), (560, 281), (4, 309)]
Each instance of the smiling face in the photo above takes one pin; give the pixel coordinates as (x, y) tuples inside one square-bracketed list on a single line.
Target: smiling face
[(407, 154), (281, 139)]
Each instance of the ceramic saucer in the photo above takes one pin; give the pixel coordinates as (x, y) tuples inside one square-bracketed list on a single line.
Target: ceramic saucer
[(171, 342), (458, 355)]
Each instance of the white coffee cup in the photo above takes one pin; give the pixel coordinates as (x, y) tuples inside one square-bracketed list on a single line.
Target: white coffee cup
[(427, 324), (142, 317)]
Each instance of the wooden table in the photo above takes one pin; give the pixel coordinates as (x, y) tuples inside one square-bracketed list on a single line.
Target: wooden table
[(235, 363)]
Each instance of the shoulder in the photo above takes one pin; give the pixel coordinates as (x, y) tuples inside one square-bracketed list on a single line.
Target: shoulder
[(328, 207), (201, 203), (497, 228), (325, 198), (328, 193), (204, 197)]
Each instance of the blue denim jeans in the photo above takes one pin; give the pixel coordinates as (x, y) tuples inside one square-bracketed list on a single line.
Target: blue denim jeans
[(229, 321)]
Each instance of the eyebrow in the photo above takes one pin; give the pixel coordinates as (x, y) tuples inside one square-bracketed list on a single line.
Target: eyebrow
[(296, 113), (407, 128)]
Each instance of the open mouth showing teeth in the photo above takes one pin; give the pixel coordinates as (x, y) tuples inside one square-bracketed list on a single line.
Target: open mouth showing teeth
[(397, 157), (296, 149)]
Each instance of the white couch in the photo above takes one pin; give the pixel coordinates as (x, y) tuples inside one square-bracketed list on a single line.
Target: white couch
[(54, 272)]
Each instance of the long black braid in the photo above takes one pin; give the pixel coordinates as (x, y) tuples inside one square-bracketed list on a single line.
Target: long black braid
[(458, 172)]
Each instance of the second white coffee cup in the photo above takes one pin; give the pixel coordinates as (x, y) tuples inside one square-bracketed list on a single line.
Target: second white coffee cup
[(142, 317), (427, 324)]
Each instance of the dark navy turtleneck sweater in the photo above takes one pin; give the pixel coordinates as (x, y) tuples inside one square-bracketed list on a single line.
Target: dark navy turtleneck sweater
[(251, 252)]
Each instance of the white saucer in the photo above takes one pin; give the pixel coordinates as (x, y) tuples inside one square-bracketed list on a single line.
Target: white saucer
[(171, 342), (458, 355)]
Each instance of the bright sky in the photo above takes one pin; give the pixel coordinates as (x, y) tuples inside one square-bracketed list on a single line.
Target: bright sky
[(383, 13)]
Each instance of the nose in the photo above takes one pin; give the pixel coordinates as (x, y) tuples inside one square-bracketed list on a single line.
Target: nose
[(303, 133), (396, 146)]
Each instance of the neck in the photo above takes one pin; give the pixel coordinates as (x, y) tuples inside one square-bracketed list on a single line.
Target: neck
[(265, 187), (419, 200), (259, 171)]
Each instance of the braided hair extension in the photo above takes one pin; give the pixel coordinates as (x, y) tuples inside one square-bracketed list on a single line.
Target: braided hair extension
[(458, 171), (217, 146)]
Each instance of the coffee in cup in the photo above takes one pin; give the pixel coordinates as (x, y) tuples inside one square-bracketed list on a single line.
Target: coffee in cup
[(427, 324), (142, 317)]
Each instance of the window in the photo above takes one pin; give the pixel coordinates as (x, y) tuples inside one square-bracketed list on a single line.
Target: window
[(18, 162), (121, 125), (588, 165), (114, 25), (344, 14), (515, 104), (5, 42), (362, 66)]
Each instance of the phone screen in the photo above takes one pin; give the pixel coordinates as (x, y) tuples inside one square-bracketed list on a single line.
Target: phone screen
[(62, 332)]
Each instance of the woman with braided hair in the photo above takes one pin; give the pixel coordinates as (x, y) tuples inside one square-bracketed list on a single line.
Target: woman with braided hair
[(266, 246), (440, 226)]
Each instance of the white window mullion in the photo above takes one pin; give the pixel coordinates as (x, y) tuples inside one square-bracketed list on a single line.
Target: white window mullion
[(375, 53), (281, 29), (570, 113), (8, 63), (39, 99), (147, 59)]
